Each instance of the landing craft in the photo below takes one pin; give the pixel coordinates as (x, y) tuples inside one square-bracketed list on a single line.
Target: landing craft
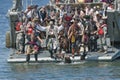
[(111, 16)]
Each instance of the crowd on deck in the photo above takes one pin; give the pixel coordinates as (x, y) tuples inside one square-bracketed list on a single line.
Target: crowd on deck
[(65, 28), (80, 1)]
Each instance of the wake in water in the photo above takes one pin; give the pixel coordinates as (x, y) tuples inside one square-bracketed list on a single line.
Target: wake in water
[(72, 63)]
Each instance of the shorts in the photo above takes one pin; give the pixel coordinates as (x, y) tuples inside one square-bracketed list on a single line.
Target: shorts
[(73, 45)]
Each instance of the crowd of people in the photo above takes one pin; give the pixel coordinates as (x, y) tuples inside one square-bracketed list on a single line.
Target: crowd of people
[(80, 1), (65, 29)]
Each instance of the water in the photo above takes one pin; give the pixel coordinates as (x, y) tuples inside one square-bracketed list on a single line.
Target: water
[(52, 71)]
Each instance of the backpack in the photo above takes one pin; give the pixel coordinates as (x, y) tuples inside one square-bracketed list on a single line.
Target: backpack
[(17, 28), (100, 31)]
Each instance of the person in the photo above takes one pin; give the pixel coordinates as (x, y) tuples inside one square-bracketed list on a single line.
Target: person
[(28, 13), (84, 45), (51, 36), (32, 41), (61, 14), (42, 14), (72, 32), (102, 32), (33, 47), (93, 36), (19, 37)]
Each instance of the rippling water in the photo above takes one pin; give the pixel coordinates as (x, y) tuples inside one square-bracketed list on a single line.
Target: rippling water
[(51, 71)]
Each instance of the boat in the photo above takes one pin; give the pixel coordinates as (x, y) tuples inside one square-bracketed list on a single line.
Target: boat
[(44, 56)]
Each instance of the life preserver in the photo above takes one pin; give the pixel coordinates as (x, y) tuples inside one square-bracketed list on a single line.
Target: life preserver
[(17, 28), (30, 30), (100, 31)]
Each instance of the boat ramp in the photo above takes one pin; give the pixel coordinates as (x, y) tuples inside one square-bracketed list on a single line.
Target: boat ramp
[(111, 55), (44, 57)]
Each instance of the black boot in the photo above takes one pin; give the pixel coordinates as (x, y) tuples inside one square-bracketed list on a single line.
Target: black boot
[(36, 57), (28, 58), (51, 53)]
